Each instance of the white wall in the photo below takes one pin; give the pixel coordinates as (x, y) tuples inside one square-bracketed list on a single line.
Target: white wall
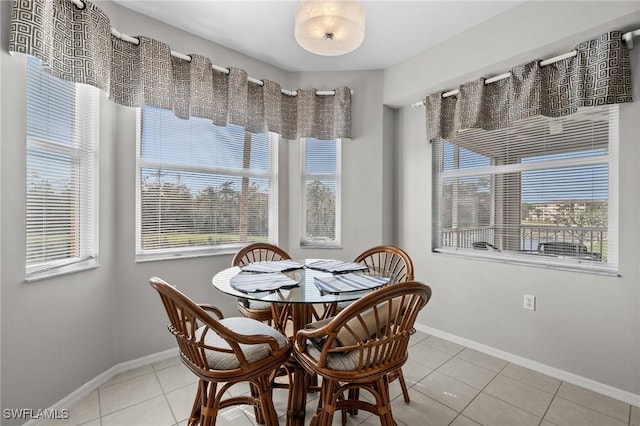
[(587, 325)]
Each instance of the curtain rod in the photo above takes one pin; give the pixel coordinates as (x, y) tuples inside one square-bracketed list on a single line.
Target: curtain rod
[(80, 5), (627, 37)]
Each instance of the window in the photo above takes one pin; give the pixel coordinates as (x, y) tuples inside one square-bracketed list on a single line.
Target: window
[(320, 192), (61, 181), (542, 191), (203, 189)]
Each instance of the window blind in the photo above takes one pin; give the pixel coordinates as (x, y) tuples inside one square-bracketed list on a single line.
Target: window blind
[(321, 192), (61, 161), (541, 191), (203, 186)]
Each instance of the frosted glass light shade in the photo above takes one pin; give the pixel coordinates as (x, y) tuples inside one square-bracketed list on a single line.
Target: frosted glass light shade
[(330, 28)]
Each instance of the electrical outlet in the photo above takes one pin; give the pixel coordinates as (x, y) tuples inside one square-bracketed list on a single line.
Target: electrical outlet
[(529, 302)]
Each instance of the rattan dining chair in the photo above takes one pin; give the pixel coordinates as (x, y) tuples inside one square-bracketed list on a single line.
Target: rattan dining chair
[(389, 260), (394, 262), (271, 313), (359, 347), (224, 351)]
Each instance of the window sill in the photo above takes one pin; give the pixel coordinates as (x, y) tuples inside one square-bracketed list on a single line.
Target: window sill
[(545, 262), (64, 269), (317, 245), (187, 254)]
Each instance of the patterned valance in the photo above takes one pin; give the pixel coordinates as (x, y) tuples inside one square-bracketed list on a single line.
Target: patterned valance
[(599, 74), (77, 45)]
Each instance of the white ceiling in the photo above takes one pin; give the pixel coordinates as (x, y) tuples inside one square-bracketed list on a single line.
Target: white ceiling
[(395, 30)]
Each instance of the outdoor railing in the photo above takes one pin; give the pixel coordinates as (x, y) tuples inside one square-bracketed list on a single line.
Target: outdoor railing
[(594, 239), (464, 238)]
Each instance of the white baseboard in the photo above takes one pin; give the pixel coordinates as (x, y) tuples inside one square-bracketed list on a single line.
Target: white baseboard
[(565, 376), (103, 378)]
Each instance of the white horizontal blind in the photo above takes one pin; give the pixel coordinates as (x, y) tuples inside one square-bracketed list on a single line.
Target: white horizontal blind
[(541, 191), (61, 182), (320, 192), (202, 186)]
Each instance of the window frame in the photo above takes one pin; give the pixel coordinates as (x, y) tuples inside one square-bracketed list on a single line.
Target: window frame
[(304, 177), (610, 158), (142, 255), (86, 233)]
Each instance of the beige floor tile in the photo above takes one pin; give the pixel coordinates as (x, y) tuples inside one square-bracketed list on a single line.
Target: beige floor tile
[(128, 393), (467, 372), (423, 411), (175, 377), (395, 391), (238, 389), (181, 401), (169, 362), (441, 384), (464, 421), (635, 416), (418, 337), (235, 416), (442, 345), (483, 360), (95, 422), (373, 421), (519, 394), (487, 410), (447, 390), (566, 413), (136, 372), (310, 410), (85, 410), (154, 412), (427, 356), (280, 400), (595, 401), (65, 422), (532, 378), (362, 418), (414, 372)]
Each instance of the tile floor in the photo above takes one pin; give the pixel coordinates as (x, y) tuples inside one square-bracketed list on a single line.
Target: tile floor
[(450, 385)]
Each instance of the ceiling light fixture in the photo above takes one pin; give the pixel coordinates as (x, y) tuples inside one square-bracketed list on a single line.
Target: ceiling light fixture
[(330, 27)]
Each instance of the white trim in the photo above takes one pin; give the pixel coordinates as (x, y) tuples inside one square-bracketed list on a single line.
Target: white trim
[(96, 382), (601, 388)]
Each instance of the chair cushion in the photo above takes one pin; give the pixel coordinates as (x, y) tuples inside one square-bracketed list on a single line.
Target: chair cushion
[(259, 305), (228, 361), (356, 329), (346, 361)]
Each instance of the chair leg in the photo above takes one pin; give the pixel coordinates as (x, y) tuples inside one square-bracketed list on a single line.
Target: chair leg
[(255, 394), (381, 387), (194, 418), (268, 411), (354, 394), (329, 400), (209, 409), (403, 385)]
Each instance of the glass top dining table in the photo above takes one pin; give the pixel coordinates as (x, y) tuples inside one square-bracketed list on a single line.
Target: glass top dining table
[(305, 292)]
